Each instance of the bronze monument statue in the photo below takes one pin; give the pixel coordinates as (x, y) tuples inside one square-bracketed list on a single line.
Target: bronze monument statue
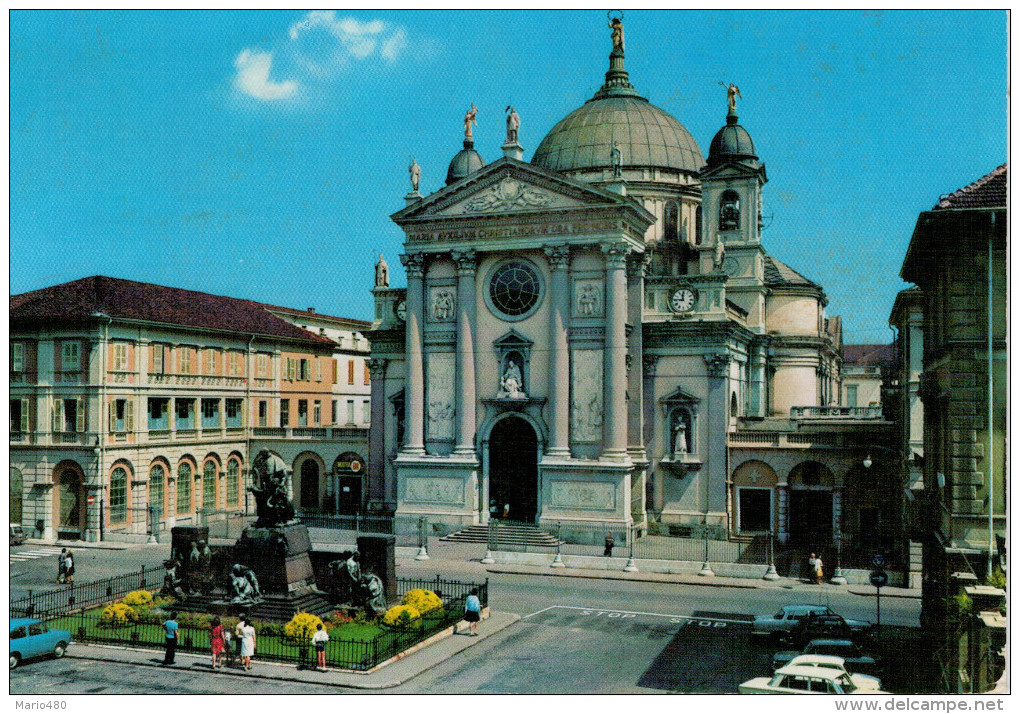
[(469, 119), (616, 25), (270, 490)]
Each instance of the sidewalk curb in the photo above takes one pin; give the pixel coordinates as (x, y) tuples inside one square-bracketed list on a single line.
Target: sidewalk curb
[(84, 545), (613, 575), (288, 672)]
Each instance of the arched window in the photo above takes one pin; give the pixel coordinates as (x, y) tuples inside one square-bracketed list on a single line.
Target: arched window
[(729, 211), (670, 221), (157, 476), (184, 488), (209, 485), (233, 483), (697, 226), (118, 495)]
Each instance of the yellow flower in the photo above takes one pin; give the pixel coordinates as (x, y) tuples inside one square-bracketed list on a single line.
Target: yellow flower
[(422, 600)]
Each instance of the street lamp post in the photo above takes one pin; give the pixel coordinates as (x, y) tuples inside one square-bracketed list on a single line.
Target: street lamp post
[(771, 573), (631, 566), (837, 577), (558, 560)]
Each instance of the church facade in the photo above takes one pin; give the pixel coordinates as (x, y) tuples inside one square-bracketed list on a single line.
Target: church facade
[(599, 336)]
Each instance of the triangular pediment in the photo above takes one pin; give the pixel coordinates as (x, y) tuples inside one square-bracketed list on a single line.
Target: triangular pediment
[(509, 186), (679, 396), (734, 170), (513, 339)]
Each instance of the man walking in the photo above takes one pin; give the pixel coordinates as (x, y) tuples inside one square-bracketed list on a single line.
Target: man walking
[(62, 565), (171, 628)]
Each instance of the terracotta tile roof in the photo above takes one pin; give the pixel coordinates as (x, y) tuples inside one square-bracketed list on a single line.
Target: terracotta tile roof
[(313, 315), (987, 192), (130, 300), (869, 354), (779, 273)]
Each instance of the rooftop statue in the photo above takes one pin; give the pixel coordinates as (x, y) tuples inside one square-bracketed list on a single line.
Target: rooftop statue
[(513, 123), (272, 505), (415, 170), (382, 272), (732, 92), (469, 119), (616, 25)]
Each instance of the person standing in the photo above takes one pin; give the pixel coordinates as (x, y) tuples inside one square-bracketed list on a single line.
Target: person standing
[(62, 565), (247, 643), (818, 570), (473, 611), (319, 640), (216, 641), (812, 561), (171, 628), (610, 542), (69, 567)]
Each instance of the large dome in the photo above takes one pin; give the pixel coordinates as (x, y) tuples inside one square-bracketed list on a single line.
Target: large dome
[(647, 136)]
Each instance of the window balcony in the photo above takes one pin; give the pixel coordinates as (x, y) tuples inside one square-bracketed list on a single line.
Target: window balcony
[(69, 437), (69, 377), (836, 413), (159, 434)]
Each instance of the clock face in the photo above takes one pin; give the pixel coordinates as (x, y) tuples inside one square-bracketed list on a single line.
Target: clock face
[(682, 300), (401, 310)]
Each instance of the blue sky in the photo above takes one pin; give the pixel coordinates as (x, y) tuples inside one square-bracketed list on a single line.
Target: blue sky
[(260, 154)]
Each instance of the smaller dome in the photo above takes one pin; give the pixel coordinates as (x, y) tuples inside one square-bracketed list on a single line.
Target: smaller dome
[(466, 162), (731, 143)]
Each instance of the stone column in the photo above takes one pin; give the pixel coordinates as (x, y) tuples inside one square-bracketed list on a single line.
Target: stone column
[(377, 435), (716, 469), (636, 267), (837, 513), (467, 266), (783, 528), (559, 358), (615, 420), (414, 438)]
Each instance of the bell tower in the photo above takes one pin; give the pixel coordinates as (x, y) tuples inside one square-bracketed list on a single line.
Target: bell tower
[(731, 187)]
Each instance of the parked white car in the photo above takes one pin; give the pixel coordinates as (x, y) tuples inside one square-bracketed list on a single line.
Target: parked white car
[(805, 680), (789, 615), (836, 664)]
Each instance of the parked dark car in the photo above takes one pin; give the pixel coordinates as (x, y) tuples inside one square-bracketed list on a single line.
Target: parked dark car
[(17, 534), (830, 627), (854, 656)]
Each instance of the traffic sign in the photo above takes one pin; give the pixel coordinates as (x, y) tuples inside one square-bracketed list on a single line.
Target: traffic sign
[(91, 500), (878, 560), (879, 578)]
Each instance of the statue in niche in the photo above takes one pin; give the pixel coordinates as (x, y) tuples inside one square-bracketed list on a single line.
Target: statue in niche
[(272, 505), (679, 437), (616, 159), (616, 25), (469, 119), (382, 273), (442, 305), (512, 384), (588, 300), (244, 585), (415, 171), (513, 124), (720, 253)]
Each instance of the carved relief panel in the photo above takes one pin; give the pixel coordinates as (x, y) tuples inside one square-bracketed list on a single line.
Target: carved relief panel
[(439, 395), (586, 396), (588, 301), (442, 304)]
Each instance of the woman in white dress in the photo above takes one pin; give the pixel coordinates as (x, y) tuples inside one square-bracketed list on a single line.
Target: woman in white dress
[(247, 643)]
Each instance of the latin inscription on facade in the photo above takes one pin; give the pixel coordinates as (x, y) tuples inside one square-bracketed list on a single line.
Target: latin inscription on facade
[(582, 495), (586, 402), (431, 489), (440, 395)]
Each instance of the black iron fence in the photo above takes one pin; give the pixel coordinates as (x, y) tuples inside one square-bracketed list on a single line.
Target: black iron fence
[(85, 595), (86, 624), (379, 525)]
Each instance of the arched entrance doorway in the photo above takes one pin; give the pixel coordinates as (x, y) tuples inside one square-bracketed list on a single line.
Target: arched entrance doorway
[(811, 505), (513, 468), (70, 501), (310, 484)]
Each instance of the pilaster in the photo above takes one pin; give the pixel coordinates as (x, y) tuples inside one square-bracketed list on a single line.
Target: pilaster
[(615, 420), (414, 265), (467, 266), (559, 377)]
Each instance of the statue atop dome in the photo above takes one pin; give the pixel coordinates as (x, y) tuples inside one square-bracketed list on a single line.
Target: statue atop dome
[(732, 92), (469, 119), (616, 25)]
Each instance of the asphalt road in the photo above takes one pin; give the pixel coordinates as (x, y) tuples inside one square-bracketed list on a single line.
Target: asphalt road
[(577, 636)]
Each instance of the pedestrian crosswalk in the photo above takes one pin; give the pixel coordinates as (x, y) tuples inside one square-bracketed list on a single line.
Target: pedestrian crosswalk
[(20, 555)]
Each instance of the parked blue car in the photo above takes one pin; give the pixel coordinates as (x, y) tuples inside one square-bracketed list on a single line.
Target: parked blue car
[(32, 638)]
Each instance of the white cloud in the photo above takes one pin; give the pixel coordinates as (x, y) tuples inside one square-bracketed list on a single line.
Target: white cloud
[(360, 40), (253, 77)]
